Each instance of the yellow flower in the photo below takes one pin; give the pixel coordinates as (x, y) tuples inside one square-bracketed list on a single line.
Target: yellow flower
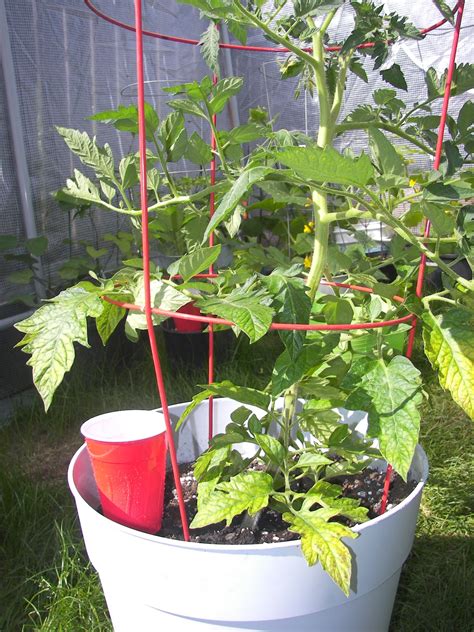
[(307, 261), (412, 182), (309, 227)]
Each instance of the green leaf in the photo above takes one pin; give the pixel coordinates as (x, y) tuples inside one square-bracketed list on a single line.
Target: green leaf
[(384, 96), (250, 312), (292, 303), (287, 370), (187, 107), (238, 190), (463, 80), (246, 133), (37, 246), (23, 277), (449, 346), (321, 541), (90, 154), (358, 69), (125, 119), (327, 165), (197, 151), (445, 10), (128, 171), (386, 158), (81, 190), (173, 136), (327, 495), (313, 8), (391, 395), (108, 319), (50, 334), (338, 311), (312, 460), (272, 448), (163, 296), (248, 491), (8, 242), (223, 91), (95, 253), (209, 43), (442, 220), (211, 462), (242, 394), (395, 77), (195, 262)]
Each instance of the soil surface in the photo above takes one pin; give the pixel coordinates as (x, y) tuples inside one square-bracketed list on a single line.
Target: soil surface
[(366, 486)]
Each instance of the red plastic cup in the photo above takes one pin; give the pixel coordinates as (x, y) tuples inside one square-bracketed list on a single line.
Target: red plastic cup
[(187, 326), (128, 454)]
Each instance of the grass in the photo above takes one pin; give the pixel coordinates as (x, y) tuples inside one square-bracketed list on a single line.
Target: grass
[(46, 581)]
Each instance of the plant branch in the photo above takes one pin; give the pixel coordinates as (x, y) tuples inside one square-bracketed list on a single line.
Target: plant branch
[(393, 129)]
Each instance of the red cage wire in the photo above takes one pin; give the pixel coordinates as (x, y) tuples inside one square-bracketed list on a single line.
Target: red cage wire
[(149, 310)]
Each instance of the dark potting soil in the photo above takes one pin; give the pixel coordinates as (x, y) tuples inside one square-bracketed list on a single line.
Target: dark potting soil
[(366, 486)]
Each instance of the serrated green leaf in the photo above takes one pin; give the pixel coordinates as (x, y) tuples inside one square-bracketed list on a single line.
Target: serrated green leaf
[(385, 156), (249, 311), (272, 448), (322, 541), (441, 219), (395, 77), (327, 165), (211, 463), (449, 346), (209, 43), (128, 172), (50, 334), (109, 319), (125, 119), (314, 8), (248, 491), (292, 304), (223, 91), (391, 395), (81, 190), (328, 495), (173, 136), (238, 190), (313, 460), (187, 107), (241, 394), (445, 10), (90, 154), (197, 151), (358, 69), (195, 262), (163, 296)]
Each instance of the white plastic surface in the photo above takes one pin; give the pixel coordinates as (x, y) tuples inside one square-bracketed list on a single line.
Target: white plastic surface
[(152, 583), (124, 425)]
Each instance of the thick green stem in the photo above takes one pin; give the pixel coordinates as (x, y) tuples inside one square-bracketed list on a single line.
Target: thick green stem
[(321, 241)]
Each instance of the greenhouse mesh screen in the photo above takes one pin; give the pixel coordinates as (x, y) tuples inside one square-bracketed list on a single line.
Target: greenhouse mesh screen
[(69, 64)]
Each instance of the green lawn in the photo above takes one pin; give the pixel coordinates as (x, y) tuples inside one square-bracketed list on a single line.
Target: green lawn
[(46, 582)]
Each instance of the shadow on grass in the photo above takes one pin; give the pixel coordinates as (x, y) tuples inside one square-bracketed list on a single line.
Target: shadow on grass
[(435, 593)]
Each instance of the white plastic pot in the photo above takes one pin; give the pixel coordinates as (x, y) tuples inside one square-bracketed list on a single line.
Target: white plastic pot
[(161, 585)]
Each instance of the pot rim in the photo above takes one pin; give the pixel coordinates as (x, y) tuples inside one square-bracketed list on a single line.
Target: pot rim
[(242, 548)]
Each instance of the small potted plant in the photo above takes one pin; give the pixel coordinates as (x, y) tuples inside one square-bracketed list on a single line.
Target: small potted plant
[(278, 541)]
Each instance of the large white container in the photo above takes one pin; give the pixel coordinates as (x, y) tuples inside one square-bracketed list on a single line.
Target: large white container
[(161, 585)]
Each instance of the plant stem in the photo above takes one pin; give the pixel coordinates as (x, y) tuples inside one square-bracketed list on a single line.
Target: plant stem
[(393, 129)]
